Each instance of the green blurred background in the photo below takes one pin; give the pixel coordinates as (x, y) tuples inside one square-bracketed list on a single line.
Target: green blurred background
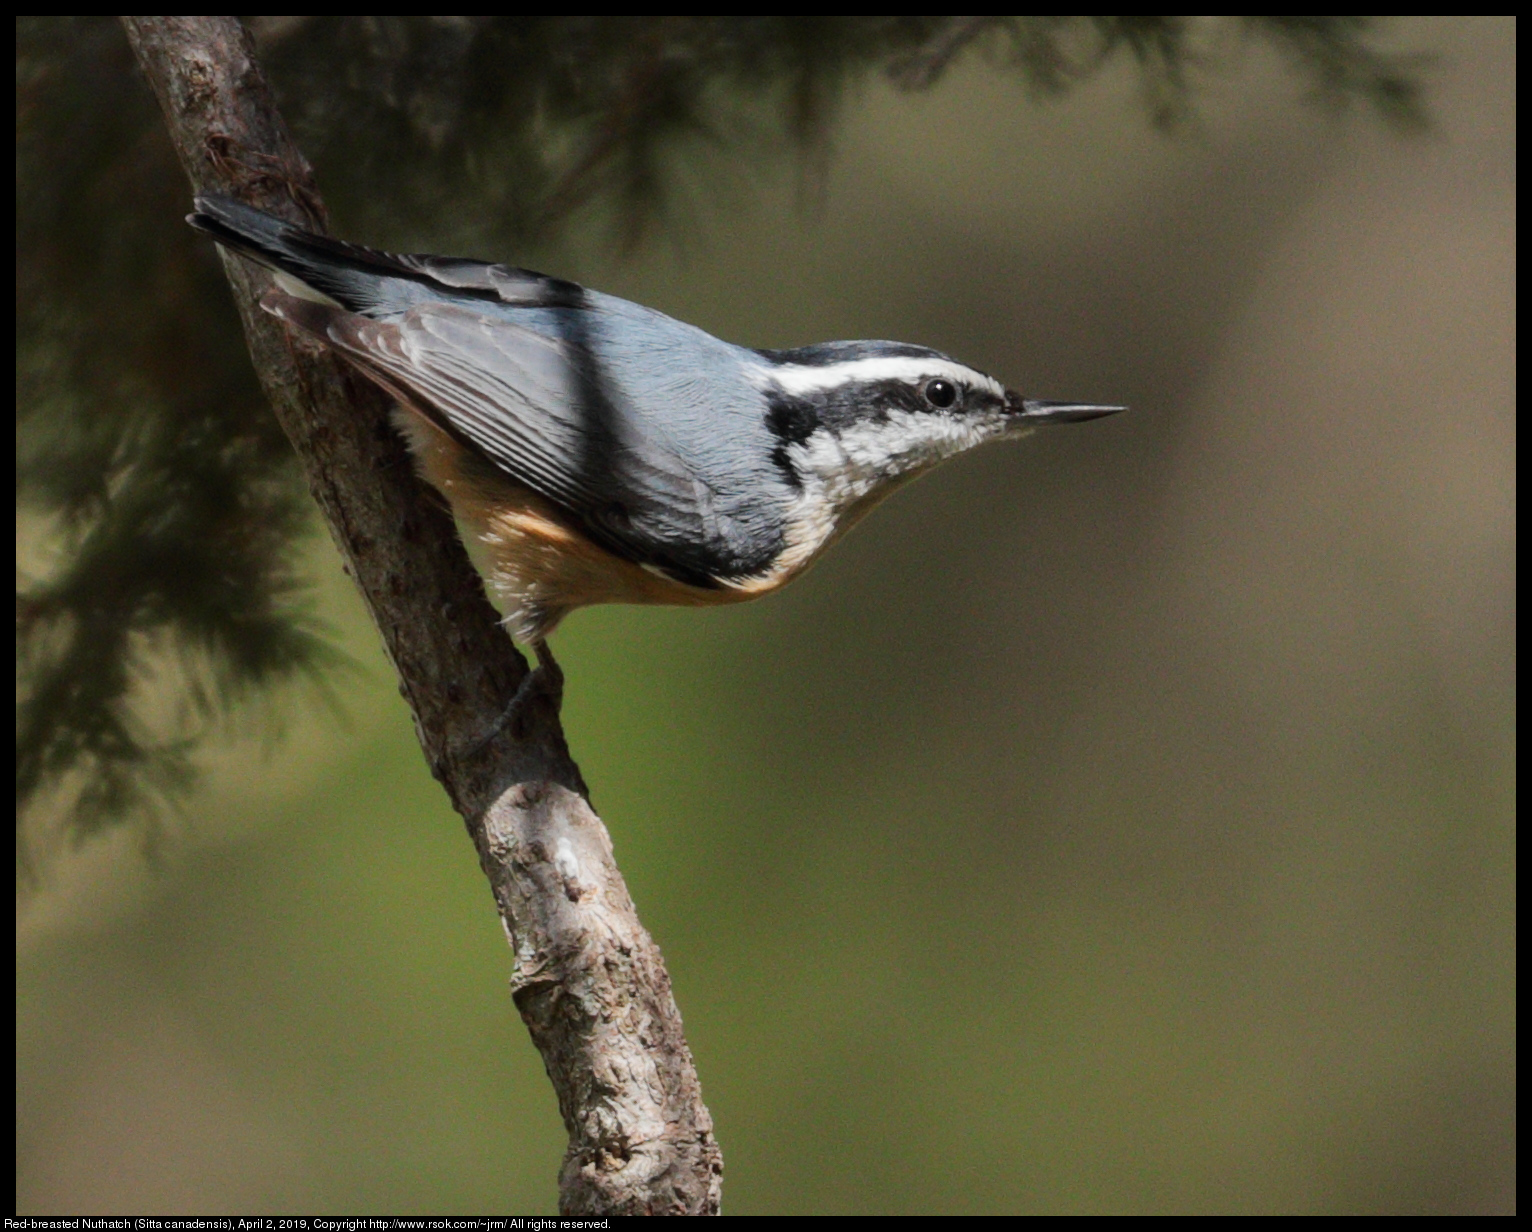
[(1120, 822)]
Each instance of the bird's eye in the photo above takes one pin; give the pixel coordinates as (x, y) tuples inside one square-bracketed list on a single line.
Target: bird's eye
[(941, 393)]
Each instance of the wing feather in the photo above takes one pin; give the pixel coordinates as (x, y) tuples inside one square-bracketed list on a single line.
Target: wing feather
[(534, 406)]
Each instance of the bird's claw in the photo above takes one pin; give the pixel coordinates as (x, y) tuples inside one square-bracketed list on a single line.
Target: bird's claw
[(546, 680)]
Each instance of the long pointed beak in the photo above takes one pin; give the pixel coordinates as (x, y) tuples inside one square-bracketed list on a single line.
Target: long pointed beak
[(1035, 411)]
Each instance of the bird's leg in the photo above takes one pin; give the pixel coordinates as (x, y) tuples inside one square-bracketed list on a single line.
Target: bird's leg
[(547, 679), (549, 673)]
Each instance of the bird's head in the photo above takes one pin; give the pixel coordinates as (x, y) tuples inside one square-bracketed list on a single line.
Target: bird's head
[(854, 419)]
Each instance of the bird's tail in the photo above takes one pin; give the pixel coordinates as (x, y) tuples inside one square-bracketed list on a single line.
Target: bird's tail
[(362, 280)]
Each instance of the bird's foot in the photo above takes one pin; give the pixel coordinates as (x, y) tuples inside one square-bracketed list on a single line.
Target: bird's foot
[(545, 680)]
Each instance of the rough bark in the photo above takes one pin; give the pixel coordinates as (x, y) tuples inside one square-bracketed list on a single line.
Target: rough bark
[(589, 981)]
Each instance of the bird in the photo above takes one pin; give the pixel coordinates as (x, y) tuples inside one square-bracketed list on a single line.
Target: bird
[(594, 450)]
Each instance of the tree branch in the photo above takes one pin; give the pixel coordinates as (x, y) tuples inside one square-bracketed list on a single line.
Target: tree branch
[(589, 981)]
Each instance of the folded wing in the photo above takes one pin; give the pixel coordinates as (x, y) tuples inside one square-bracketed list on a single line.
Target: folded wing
[(536, 403)]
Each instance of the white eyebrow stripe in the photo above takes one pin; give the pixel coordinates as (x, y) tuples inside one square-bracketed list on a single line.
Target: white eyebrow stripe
[(806, 378)]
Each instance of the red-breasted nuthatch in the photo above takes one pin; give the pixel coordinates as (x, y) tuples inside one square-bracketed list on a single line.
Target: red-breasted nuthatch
[(602, 452)]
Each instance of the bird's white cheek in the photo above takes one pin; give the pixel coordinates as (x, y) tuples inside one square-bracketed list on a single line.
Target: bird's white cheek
[(863, 457), (842, 475)]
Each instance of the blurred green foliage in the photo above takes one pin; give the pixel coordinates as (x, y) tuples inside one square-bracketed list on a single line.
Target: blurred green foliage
[(160, 510)]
